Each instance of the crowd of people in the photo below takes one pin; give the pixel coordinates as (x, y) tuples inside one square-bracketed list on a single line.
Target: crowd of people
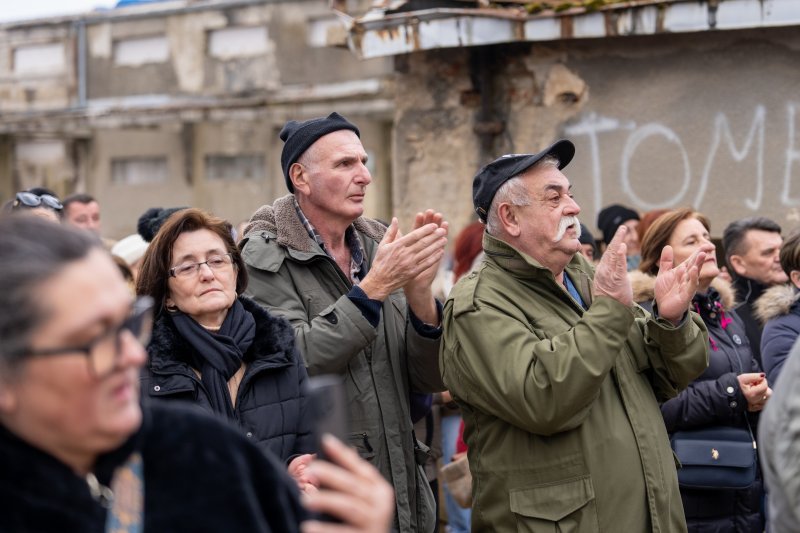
[(161, 382)]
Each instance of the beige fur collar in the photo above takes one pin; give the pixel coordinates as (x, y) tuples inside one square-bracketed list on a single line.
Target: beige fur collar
[(281, 219), (776, 301), (643, 286)]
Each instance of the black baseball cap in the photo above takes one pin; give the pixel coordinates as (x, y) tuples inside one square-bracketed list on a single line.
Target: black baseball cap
[(492, 176)]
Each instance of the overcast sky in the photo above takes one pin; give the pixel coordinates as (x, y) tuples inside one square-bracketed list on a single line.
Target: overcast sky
[(27, 9)]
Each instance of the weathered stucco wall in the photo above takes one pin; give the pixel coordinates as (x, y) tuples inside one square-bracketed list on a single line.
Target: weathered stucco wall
[(707, 120)]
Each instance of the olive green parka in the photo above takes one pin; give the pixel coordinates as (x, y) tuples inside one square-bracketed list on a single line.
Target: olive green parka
[(561, 404), (292, 277)]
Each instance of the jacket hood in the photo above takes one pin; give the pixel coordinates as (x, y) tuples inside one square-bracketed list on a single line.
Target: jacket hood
[(281, 219), (274, 339), (643, 286), (776, 301)]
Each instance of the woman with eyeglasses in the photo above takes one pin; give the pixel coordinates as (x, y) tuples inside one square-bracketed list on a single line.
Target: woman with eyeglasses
[(37, 201), (80, 454), (218, 350)]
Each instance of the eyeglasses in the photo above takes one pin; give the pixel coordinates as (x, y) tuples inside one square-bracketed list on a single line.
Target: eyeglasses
[(29, 199), (104, 350), (215, 262)]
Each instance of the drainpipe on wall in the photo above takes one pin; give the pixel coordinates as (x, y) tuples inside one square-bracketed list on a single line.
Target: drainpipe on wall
[(487, 124), (81, 27)]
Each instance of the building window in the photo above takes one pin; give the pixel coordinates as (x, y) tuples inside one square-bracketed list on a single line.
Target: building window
[(139, 170), (40, 59), (235, 167), (140, 51), (238, 42)]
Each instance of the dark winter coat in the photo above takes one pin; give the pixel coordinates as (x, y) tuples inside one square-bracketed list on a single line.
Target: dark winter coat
[(714, 399), (271, 405), (199, 475), (779, 311), (747, 291)]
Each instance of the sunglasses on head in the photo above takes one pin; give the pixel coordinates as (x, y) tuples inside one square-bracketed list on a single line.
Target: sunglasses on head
[(29, 199)]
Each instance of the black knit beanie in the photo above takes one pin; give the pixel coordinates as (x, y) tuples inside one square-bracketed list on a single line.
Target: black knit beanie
[(152, 220), (612, 217), (298, 136)]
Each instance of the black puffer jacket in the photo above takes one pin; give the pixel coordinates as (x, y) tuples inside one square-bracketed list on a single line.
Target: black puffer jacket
[(715, 399), (271, 406)]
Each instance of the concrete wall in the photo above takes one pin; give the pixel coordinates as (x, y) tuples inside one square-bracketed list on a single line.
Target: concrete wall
[(707, 120)]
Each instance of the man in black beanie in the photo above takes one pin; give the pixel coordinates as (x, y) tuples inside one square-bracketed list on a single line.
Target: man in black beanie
[(610, 219), (358, 295)]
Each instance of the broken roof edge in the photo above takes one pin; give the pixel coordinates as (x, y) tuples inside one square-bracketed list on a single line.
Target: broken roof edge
[(413, 31)]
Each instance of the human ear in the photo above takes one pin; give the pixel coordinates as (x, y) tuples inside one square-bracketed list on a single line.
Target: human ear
[(794, 275), (508, 217), (299, 178), (738, 265)]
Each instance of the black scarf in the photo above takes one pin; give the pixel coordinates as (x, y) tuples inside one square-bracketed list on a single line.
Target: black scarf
[(219, 355)]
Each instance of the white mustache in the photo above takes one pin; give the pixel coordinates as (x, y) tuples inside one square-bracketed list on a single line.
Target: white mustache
[(565, 223)]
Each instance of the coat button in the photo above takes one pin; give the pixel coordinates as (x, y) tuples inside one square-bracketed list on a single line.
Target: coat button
[(249, 434), (156, 388), (734, 404), (729, 390)]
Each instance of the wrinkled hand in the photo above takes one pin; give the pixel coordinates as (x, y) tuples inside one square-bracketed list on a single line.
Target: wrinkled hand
[(425, 278), (298, 469), (676, 286), (755, 389), (611, 273), (352, 490), (401, 258)]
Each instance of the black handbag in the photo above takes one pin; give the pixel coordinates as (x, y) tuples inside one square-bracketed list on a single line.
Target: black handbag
[(718, 457)]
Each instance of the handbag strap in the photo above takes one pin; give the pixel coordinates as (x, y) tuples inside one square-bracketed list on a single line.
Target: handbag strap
[(741, 371)]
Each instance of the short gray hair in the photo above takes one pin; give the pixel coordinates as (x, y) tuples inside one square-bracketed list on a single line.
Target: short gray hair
[(514, 192), (33, 251)]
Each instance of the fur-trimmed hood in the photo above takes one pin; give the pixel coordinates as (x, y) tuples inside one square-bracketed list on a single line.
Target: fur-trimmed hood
[(281, 219), (643, 286), (274, 338), (776, 301)]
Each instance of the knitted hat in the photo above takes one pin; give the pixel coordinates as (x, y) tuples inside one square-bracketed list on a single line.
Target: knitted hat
[(299, 136), (130, 249), (612, 217), (152, 220)]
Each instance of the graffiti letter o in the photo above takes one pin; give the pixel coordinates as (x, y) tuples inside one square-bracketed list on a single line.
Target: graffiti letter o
[(637, 137)]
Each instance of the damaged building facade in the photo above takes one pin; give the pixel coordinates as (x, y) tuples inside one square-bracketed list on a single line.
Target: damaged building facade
[(670, 103), (180, 103)]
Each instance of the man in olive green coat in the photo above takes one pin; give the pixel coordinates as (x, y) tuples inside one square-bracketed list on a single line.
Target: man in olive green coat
[(559, 374), (358, 295)]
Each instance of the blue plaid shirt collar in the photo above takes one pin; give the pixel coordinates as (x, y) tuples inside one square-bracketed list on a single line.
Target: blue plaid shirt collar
[(357, 265)]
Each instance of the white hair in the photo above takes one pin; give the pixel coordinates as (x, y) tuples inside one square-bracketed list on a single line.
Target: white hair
[(514, 192)]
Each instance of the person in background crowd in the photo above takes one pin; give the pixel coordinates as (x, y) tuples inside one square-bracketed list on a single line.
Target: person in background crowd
[(131, 250), (752, 251), (151, 221), (221, 351), (588, 244), (78, 452), (37, 201), (557, 372), (82, 211), (779, 448), (612, 217), (358, 295), (731, 390), (778, 309)]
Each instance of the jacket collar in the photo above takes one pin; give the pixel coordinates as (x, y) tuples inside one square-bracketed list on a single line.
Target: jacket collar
[(280, 219), (748, 290), (274, 340), (523, 266)]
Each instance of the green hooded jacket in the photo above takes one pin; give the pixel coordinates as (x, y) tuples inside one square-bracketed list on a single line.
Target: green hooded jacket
[(292, 277), (561, 403)]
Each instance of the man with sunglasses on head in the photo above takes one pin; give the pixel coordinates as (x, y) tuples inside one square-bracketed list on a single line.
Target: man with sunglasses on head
[(37, 201)]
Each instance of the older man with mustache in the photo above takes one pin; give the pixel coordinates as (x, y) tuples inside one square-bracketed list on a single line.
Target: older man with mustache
[(558, 373)]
